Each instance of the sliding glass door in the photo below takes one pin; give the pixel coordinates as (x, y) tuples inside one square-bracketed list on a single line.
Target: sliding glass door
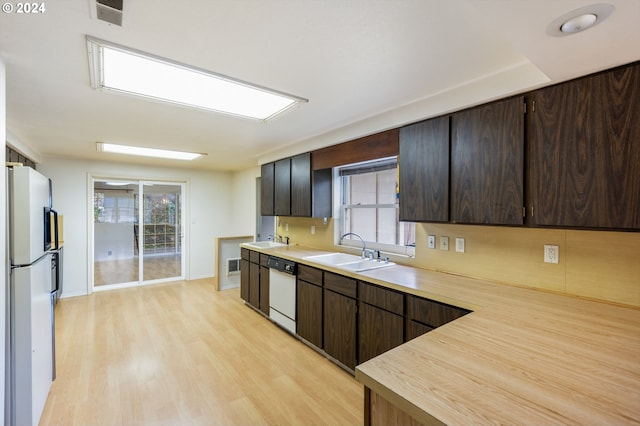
[(162, 235), (137, 232)]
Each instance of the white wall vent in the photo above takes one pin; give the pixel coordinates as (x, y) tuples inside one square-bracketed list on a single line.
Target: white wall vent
[(233, 266), (109, 11)]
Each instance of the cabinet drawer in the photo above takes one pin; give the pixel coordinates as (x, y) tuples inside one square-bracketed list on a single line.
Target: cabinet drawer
[(431, 313), (264, 258), (309, 274), (381, 297), (254, 256), (340, 284), (244, 253)]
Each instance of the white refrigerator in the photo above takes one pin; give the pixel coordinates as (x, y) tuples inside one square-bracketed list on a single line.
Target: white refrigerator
[(30, 331)]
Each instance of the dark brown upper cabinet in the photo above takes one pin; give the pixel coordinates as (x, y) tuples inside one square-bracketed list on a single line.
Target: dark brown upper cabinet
[(289, 187), (282, 188), (301, 185), (487, 164), (584, 152), (424, 171), (267, 181)]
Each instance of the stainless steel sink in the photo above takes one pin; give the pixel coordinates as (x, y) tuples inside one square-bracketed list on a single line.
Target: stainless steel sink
[(348, 262), (265, 244)]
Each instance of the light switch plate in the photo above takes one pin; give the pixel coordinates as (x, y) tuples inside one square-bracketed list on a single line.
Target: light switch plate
[(460, 245), (444, 243), (431, 241)]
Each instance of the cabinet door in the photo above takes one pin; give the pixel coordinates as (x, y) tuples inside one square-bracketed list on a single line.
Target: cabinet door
[(415, 329), (244, 279), (282, 188), (487, 164), (584, 155), (301, 185), (267, 179), (254, 285), (424, 171), (340, 328), (379, 331), (321, 193), (264, 290), (309, 312), (432, 313)]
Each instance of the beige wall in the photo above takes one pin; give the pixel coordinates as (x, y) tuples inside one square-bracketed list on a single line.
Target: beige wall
[(593, 264)]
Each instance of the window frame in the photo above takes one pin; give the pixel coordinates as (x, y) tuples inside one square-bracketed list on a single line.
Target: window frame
[(340, 214)]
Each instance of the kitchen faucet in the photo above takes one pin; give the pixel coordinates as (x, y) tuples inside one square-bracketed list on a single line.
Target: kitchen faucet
[(364, 245)]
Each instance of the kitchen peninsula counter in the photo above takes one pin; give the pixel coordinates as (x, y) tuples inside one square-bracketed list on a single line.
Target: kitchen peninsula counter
[(522, 356)]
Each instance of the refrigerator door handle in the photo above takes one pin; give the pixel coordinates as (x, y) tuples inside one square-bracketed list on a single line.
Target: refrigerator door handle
[(56, 238)]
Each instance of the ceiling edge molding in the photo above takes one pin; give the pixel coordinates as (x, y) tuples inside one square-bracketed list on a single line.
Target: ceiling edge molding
[(15, 143), (517, 78)]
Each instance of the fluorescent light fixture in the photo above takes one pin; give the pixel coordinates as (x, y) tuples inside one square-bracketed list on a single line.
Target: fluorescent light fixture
[(114, 67), (147, 152)]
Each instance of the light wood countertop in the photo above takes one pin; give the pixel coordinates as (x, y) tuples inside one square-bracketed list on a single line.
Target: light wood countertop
[(521, 357)]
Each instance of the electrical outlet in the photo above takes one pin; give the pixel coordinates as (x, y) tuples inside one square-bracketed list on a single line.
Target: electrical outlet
[(286, 226), (460, 245), (313, 229), (551, 253), (444, 243), (431, 241)]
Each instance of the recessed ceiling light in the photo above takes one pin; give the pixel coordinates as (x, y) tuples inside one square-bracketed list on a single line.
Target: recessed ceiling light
[(579, 19), (147, 152), (578, 23), (117, 68)]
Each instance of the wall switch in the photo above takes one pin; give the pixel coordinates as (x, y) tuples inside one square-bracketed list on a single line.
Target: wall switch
[(313, 229), (431, 241), (551, 253), (460, 245), (286, 226), (444, 243)]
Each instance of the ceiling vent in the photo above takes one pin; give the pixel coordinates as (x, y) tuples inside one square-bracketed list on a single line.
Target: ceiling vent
[(109, 11)]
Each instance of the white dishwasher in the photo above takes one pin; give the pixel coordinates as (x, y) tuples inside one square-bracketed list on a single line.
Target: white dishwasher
[(282, 292)]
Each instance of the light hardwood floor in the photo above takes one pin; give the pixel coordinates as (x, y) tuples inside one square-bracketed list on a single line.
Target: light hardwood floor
[(184, 354)]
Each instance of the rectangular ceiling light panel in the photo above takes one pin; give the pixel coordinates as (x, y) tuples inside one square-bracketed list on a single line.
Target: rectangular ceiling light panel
[(147, 152), (116, 68)]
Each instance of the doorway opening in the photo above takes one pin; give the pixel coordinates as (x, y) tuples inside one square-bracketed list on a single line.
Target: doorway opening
[(138, 233)]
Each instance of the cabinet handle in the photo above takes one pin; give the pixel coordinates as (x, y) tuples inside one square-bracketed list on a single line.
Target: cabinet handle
[(532, 211)]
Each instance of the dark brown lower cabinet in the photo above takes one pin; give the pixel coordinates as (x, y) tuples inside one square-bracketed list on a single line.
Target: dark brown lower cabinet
[(415, 329), (254, 284), (379, 331), (424, 315), (309, 312), (264, 290), (340, 316), (244, 279)]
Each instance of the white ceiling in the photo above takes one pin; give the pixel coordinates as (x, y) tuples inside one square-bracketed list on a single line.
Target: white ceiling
[(364, 65)]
